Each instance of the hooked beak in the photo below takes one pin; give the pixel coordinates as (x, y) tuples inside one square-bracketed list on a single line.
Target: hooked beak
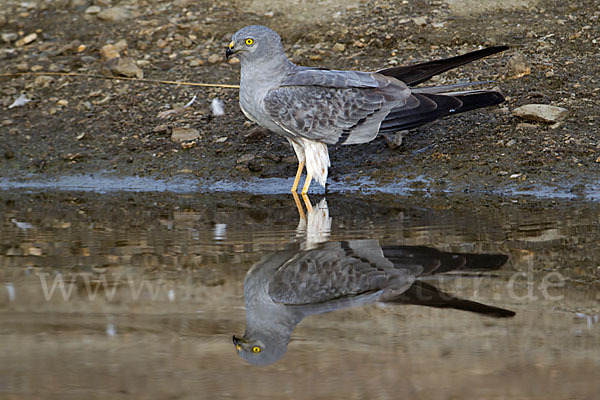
[(229, 52), (238, 343)]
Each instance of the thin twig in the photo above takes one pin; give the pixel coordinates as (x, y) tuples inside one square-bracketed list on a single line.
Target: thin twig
[(122, 78)]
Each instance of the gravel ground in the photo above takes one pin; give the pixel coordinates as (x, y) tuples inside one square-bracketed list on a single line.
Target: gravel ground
[(77, 124)]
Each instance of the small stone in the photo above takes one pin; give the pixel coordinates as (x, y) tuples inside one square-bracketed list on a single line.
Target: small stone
[(69, 48), (26, 40), (338, 48), (108, 52), (188, 144), (245, 158), (233, 60), (62, 103), (126, 66), (256, 135), (184, 134), (36, 68), (518, 66), (196, 62), (221, 139), (215, 58), (115, 14), (93, 10), (163, 128), (420, 21), (23, 67), (394, 140), (9, 37), (35, 251), (121, 45), (526, 125), (541, 113)]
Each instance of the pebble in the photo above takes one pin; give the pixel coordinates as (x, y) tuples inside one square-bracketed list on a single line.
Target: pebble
[(518, 66), (196, 62), (121, 45), (420, 21), (9, 37), (394, 140), (115, 14), (184, 134), (93, 10), (108, 52), (215, 58), (541, 113), (338, 48), (26, 40), (245, 158), (126, 66), (188, 144)]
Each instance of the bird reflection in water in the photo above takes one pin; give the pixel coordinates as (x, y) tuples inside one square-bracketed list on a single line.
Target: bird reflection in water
[(317, 276)]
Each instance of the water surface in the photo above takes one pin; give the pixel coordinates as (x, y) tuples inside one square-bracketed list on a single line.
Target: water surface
[(138, 294)]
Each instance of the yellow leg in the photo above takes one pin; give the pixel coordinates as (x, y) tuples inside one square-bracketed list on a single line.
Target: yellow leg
[(298, 175), (307, 183), (307, 203), (298, 205)]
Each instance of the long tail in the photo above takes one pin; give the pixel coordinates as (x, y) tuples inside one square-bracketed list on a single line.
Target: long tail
[(432, 103), (436, 262), (423, 294), (439, 262), (423, 108), (412, 75)]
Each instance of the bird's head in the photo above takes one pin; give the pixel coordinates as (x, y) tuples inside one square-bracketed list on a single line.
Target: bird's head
[(254, 42), (256, 351)]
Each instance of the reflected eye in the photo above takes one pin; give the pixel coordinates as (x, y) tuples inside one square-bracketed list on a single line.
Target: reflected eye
[(250, 42), (255, 349)]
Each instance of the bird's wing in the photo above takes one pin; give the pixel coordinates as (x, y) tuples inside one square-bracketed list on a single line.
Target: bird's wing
[(334, 106), (338, 274)]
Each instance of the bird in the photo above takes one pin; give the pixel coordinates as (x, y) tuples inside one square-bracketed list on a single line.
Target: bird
[(286, 286), (316, 107)]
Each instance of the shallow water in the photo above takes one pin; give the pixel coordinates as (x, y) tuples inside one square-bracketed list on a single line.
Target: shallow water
[(148, 291)]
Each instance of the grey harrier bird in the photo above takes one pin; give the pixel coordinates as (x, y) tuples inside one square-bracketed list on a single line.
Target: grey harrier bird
[(314, 107), (289, 285)]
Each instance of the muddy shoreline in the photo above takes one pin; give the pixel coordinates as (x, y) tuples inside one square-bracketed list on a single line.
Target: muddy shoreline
[(76, 125)]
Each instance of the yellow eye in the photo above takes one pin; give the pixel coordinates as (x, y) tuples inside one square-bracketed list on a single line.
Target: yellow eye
[(250, 42), (255, 349)]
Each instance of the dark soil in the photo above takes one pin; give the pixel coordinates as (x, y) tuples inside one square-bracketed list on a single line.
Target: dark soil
[(80, 124)]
